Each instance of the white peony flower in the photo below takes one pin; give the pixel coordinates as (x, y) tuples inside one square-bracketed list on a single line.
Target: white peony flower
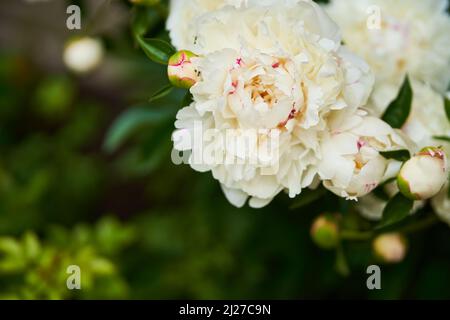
[(184, 12), (441, 204), (351, 163), (273, 26), (282, 87), (398, 37)]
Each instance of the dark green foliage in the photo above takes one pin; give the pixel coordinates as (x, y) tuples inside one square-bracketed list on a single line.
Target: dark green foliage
[(398, 111), (141, 227)]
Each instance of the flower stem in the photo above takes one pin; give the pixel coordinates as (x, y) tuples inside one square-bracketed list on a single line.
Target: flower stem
[(355, 235), (420, 225)]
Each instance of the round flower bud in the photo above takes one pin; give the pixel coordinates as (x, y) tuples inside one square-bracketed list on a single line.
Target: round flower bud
[(325, 231), (181, 71), (390, 247), (424, 175), (83, 54)]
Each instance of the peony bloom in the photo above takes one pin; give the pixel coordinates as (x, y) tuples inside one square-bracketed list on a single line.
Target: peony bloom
[(398, 37), (351, 165), (278, 89), (273, 26), (183, 13), (424, 175), (426, 121)]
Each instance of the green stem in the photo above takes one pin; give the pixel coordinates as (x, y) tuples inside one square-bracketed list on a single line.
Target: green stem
[(420, 225), (355, 235)]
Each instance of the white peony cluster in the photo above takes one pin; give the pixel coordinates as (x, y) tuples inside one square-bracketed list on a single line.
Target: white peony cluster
[(277, 69), (398, 37)]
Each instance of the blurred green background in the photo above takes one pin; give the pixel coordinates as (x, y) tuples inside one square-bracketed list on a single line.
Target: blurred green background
[(139, 226)]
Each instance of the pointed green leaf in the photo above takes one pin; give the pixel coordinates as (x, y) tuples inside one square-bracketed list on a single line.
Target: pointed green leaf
[(398, 111), (156, 49), (399, 155), (130, 121), (397, 209), (161, 93), (443, 138), (447, 107)]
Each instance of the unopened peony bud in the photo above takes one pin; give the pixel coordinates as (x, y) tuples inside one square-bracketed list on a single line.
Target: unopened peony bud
[(181, 71), (325, 231), (424, 175), (83, 55), (390, 247)]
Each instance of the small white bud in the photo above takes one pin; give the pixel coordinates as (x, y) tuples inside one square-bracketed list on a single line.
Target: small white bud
[(424, 175), (390, 247), (83, 55)]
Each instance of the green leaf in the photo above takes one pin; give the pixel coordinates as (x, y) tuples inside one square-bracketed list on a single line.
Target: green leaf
[(187, 100), (157, 147), (161, 93), (307, 196), (398, 111), (443, 138), (447, 107), (130, 121), (397, 209), (157, 50), (143, 19), (399, 155)]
